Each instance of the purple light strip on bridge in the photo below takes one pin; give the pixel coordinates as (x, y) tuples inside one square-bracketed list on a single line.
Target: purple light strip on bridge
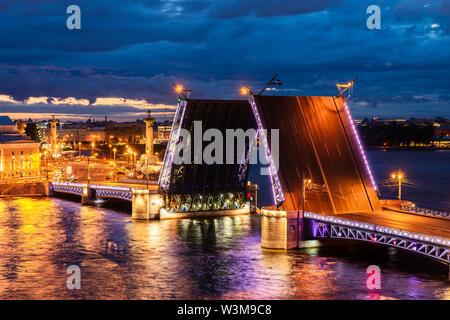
[(164, 177), (277, 192), (381, 229), (361, 149)]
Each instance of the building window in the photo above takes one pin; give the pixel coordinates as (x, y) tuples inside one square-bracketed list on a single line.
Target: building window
[(30, 162)]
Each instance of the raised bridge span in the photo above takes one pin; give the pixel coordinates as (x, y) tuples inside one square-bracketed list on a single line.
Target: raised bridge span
[(319, 141)]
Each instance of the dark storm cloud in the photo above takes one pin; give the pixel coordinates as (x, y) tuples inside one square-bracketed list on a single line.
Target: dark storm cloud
[(270, 8), (136, 49), (444, 98)]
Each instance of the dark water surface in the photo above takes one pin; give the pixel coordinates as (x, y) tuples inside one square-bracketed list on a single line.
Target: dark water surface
[(208, 258)]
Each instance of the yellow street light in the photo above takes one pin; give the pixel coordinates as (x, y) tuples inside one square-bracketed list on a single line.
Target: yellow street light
[(399, 177), (178, 88), (244, 91)]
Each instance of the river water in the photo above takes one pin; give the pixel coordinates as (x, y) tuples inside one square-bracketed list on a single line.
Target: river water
[(217, 258)]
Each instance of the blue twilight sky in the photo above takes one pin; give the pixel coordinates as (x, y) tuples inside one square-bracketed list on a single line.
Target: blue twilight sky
[(128, 53)]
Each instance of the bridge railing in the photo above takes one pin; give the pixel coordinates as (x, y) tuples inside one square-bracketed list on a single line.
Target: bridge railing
[(338, 228), (428, 212), (101, 191), (67, 184), (68, 187)]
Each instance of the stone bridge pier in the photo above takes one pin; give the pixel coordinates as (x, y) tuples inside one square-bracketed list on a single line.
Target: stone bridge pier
[(86, 196), (146, 205)]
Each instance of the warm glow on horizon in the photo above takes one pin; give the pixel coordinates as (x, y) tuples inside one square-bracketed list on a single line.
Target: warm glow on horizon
[(100, 101), (35, 103), (6, 98)]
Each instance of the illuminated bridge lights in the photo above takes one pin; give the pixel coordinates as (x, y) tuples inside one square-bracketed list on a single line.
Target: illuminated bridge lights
[(434, 247), (164, 177), (68, 184), (93, 186), (116, 188), (380, 229), (277, 191), (361, 149)]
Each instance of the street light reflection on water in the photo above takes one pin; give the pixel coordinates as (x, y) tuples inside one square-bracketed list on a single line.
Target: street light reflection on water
[(216, 258)]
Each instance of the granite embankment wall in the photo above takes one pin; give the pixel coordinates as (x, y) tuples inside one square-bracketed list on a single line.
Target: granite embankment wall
[(22, 189)]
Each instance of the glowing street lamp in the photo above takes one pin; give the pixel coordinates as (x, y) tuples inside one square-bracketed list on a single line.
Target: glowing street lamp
[(399, 177), (181, 90), (178, 88), (110, 146), (114, 151), (93, 146), (244, 91)]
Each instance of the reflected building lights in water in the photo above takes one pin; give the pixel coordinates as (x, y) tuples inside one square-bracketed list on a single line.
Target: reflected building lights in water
[(171, 259)]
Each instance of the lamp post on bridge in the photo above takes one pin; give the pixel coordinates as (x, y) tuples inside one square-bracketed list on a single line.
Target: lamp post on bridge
[(306, 184), (399, 177)]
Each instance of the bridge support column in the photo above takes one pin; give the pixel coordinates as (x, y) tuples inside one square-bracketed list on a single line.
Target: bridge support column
[(281, 229), (146, 205), (86, 196), (48, 189)]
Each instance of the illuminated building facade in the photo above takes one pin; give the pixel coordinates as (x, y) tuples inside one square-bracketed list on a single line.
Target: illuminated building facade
[(19, 156)]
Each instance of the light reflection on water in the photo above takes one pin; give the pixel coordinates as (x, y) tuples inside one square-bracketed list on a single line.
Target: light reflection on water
[(184, 259)]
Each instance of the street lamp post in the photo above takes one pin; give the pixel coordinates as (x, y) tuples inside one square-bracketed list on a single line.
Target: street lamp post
[(110, 146), (114, 151), (399, 177), (79, 150), (306, 183), (89, 170), (93, 147)]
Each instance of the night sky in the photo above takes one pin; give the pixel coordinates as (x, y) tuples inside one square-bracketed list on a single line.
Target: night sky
[(128, 53)]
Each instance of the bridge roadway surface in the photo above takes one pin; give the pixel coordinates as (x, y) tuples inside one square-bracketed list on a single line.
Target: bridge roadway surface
[(431, 226), (316, 138)]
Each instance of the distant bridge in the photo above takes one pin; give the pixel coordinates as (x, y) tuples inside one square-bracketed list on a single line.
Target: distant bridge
[(145, 203), (100, 191)]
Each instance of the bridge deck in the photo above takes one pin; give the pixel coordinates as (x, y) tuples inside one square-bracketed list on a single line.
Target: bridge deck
[(408, 222), (317, 139)]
